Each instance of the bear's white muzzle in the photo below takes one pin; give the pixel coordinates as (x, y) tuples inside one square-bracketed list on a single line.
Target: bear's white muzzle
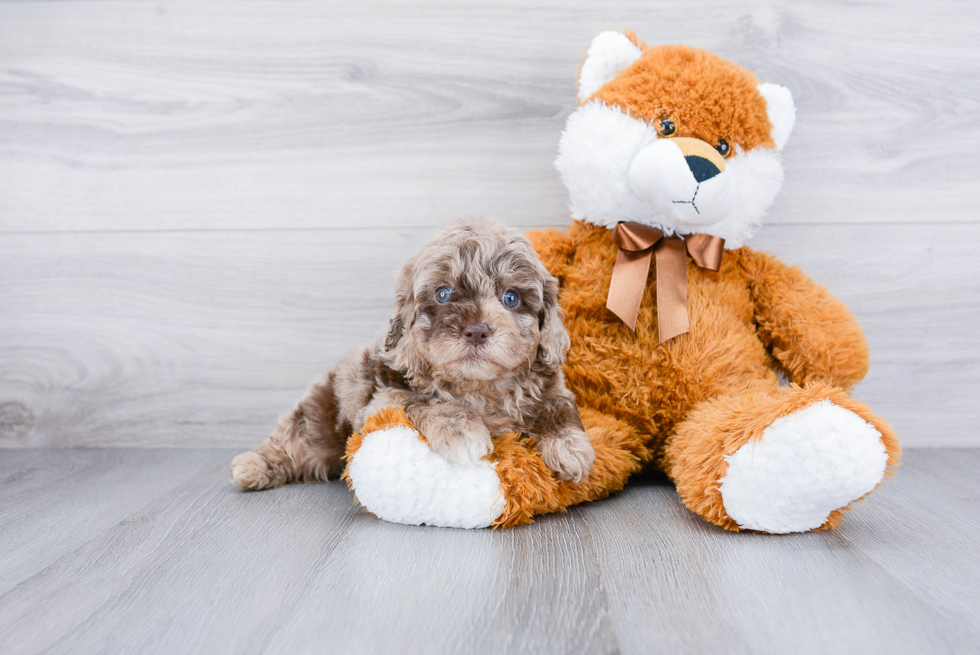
[(685, 180)]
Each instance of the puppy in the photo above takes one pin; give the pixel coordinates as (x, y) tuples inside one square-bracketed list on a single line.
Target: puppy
[(474, 347)]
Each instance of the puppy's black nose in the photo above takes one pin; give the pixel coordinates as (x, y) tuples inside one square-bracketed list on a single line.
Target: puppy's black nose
[(476, 334), (701, 168)]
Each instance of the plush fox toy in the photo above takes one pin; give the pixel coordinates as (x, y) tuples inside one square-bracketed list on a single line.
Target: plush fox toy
[(678, 330)]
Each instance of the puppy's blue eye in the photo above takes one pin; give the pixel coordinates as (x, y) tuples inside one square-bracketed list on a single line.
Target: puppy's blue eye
[(442, 294), (510, 299)]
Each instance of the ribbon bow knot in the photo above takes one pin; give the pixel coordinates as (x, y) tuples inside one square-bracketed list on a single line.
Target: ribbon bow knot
[(637, 244)]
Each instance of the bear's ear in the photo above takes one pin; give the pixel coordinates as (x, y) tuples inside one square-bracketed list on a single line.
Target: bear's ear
[(609, 53), (781, 110)]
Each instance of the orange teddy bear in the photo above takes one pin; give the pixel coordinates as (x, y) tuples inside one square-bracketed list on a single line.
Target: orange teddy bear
[(679, 332)]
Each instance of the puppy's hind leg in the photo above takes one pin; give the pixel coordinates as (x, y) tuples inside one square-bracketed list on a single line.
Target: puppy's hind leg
[(308, 444)]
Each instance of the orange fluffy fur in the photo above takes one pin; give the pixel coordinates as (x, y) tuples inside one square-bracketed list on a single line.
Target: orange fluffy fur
[(525, 480), (668, 79), (702, 395), (684, 405)]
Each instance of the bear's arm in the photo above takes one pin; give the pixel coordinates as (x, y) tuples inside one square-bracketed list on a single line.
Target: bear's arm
[(555, 248), (811, 333)]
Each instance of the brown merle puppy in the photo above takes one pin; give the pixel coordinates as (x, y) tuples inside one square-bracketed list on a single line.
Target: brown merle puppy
[(475, 347)]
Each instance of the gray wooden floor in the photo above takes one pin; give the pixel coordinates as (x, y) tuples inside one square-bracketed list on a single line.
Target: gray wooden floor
[(138, 551)]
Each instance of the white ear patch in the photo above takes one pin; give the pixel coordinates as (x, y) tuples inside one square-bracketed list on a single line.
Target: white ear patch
[(609, 53), (781, 110)]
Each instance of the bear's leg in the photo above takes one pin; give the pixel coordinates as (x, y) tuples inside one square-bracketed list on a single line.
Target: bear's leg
[(791, 459), (398, 478), (532, 489)]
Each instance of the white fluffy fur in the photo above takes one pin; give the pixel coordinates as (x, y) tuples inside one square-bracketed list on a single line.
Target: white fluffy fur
[(781, 111), (806, 465), (660, 176), (597, 150), (398, 478), (609, 53)]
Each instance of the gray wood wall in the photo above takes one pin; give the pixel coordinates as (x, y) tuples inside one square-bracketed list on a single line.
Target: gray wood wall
[(202, 204)]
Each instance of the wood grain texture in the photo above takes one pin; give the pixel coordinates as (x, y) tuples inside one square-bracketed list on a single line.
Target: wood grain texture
[(202, 204), (203, 338), (47, 499), (198, 566), (884, 597), (204, 115)]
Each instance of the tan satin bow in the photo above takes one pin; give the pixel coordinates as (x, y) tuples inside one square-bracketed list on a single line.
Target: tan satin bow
[(637, 242)]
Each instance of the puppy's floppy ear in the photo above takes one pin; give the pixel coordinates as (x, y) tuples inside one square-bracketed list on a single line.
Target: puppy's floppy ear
[(404, 314), (395, 326), (554, 341)]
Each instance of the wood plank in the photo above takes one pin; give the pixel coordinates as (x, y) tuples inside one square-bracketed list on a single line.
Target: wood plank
[(299, 566), (197, 338), (204, 554), (126, 116), (203, 338), (930, 499), (677, 584), (203, 567), (42, 521), (539, 592)]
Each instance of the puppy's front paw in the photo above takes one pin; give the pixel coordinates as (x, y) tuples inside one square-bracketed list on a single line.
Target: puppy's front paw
[(570, 455), (460, 441), (251, 472)]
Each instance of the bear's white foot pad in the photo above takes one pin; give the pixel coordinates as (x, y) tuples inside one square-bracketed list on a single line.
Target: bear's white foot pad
[(398, 478), (806, 465)]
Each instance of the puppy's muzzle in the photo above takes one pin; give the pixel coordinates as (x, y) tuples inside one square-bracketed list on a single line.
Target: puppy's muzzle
[(477, 334)]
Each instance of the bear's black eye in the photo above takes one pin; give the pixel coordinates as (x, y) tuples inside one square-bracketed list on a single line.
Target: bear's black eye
[(666, 127), (723, 148)]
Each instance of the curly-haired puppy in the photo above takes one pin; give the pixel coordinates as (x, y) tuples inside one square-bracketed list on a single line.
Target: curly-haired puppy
[(475, 347)]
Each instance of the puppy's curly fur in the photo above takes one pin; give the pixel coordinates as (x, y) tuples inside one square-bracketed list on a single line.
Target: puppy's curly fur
[(463, 363)]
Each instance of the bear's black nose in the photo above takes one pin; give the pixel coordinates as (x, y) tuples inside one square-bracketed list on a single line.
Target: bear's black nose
[(701, 168)]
